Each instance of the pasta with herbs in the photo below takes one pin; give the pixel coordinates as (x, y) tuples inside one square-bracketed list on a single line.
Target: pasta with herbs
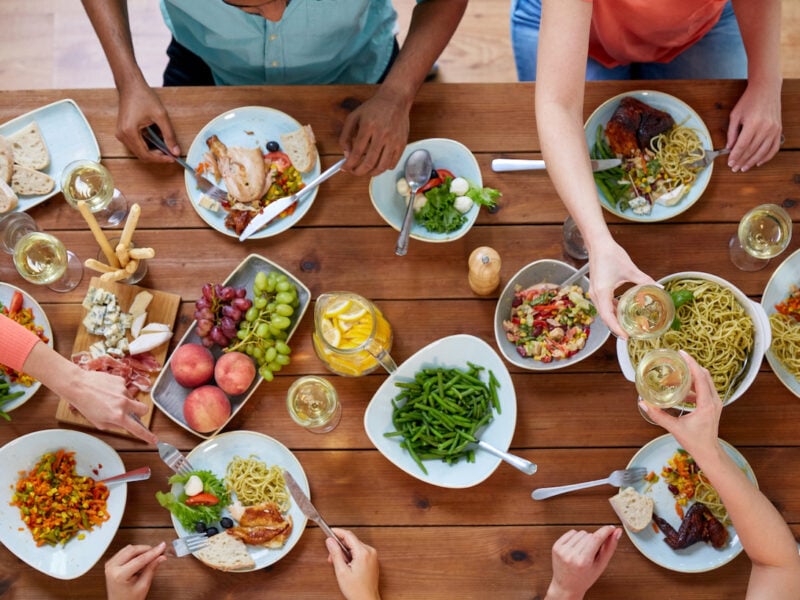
[(715, 330), (786, 342), (255, 483), (676, 149), (705, 493)]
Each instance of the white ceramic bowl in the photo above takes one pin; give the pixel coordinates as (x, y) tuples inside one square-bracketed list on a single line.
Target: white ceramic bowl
[(786, 275), (450, 352), (753, 309), (446, 154), (550, 271)]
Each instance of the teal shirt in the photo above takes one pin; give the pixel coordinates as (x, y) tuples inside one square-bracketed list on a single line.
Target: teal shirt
[(315, 42)]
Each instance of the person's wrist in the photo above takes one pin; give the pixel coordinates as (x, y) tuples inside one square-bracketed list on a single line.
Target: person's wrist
[(556, 592)]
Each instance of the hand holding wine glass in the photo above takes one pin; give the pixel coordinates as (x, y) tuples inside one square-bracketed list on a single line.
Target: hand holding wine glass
[(764, 232), (663, 379)]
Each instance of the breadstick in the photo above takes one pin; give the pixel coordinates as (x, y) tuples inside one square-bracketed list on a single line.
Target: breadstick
[(130, 227), (122, 255), (141, 253), (115, 275), (96, 265), (131, 267), (98, 233)]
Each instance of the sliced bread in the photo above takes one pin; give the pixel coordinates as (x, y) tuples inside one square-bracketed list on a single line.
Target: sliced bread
[(6, 160), (299, 145), (30, 149), (226, 553), (30, 182), (635, 510), (8, 199)]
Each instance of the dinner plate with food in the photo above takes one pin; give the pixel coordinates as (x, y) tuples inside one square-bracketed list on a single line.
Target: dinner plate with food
[(60, 548), (237, 496), (35, 148), (20, 306), (659, 137), (257, 154), (781, 301), (660, 511)]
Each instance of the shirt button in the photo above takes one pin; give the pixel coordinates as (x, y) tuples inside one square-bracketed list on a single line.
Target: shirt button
[(273, 37), (274, 63)]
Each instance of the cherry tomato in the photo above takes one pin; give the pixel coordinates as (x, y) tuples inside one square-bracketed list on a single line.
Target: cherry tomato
[(444, 174), (15, 305), (202, 499), (280, 159)]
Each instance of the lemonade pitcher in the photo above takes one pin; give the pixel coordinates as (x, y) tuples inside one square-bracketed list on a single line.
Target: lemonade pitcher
[(351, 335)]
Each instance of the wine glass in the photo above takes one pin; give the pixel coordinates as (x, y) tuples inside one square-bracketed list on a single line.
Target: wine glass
[(645, 311), (91, 182), (41, 258), (574, 246), (662, 379), (12, 227), (764, 232)]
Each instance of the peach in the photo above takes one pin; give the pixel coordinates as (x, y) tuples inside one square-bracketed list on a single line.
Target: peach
[(234, 372), (206, 408), (192, 365)]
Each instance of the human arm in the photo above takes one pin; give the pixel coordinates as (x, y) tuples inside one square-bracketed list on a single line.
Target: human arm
[(579, 558), (375, 134), (358, 579), (754, 128), (139, 105), (561, 71), (764, 535), (129, 573)]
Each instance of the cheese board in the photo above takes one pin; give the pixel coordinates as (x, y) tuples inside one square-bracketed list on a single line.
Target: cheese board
[(109, 318)]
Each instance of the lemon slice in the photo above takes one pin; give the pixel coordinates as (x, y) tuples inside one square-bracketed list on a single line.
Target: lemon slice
[(337, 307), (353, 313), (330, 333)]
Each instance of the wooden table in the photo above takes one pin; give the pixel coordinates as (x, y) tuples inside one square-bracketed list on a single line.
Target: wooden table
[(490, 541)]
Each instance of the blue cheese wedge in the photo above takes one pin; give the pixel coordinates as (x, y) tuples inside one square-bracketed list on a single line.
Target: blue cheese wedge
[(105, 318)]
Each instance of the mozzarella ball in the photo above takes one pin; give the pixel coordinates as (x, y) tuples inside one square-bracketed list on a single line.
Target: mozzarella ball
[(463, 204), (193, 486), (402, 187), (459, 186)]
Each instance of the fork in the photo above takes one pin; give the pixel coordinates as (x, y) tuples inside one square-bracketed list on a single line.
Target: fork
[(708, 158), (174, 459), (189, 544), (617, 479), (203, 184)]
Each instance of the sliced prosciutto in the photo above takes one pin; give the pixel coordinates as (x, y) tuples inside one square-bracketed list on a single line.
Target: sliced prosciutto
[(135, 370)]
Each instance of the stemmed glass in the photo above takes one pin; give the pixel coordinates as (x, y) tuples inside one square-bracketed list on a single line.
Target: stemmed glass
[(39, 257), (91, 182), (574, 246), (764, 232), (663, 379)]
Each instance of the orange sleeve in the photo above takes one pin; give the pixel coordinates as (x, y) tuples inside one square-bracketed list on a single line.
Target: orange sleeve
[(16, 343)]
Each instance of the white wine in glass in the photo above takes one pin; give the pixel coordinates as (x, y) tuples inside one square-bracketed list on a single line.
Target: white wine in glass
[(645, 311), (663, 378), (91, 182), (42, 259), (764, 232)]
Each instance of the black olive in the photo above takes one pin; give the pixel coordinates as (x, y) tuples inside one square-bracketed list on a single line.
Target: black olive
[(211, 531), (273, 146), (200, 527), (226, 522), (434, 174)]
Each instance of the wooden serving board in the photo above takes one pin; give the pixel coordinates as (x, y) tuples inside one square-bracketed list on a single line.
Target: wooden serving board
[(163, 308)]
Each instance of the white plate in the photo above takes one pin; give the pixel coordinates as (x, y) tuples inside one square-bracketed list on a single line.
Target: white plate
[(248, 127), (450, 352), (68, 137), (683, 114), (94, 458), (39, 316), (777, 289), (215, 454), (446, 154), (699, 557)]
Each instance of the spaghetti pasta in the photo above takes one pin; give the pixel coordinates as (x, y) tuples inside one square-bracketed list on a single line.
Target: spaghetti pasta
[(676, 150), (255, 483), (715, 329), (786, 342), (705, 493)]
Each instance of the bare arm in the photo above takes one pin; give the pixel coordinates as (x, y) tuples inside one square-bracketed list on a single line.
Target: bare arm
[(376, 133), (754, 129), (560, 82), (139, 106)]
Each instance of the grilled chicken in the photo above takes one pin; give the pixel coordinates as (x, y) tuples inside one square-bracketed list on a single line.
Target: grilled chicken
[(242, 169), (262, 525), (633, 125), (698, 525)]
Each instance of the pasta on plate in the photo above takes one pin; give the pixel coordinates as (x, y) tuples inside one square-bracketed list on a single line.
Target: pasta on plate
[(255, 483)]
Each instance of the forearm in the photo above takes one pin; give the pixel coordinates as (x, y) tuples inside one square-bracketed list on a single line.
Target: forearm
[(55, 372), (760, 23)]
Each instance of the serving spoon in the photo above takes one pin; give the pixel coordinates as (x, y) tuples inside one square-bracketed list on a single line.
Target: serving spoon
[(139, 474), (418, 169)]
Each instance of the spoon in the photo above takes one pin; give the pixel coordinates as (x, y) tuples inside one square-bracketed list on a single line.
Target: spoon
[(139, 474), (417, 172)]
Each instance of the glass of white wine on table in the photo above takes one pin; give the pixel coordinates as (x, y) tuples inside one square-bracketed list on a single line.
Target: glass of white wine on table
[(92, 182), (764, 232)]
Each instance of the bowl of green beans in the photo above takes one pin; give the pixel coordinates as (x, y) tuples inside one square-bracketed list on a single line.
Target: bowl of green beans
[(428, 415)]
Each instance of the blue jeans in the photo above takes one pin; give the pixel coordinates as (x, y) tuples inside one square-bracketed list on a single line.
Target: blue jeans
[(717, 55)]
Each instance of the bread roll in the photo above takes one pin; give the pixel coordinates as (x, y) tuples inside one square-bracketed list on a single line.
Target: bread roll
[(635, 510), (299, 145), (226, 553), (29, 182), (8, 199), (30, 149), (6, 160)]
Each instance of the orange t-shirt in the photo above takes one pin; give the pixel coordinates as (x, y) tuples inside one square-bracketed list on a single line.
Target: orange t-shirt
[(16, 342), (629, 31)]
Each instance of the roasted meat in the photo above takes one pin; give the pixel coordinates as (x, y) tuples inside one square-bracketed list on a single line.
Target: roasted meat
[(263, 525), (633, 125), (698, 525), (242, 169)]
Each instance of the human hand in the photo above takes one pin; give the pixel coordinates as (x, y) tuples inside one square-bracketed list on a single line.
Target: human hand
[(140, 106), (358, 579), (754, 129), (579, 558), (129, 573), (374, 135)]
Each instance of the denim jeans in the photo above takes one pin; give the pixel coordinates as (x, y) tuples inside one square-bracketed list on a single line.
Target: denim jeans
[(719, 54)]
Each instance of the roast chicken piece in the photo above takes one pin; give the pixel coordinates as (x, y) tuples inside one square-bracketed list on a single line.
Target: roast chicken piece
[(698, 525), (242, 169), (633, 125), (262, 525)]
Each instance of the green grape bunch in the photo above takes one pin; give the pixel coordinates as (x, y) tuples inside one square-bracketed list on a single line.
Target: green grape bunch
[(264, 330)]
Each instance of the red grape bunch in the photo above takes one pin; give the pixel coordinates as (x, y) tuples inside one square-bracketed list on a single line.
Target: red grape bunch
[(218, 312)]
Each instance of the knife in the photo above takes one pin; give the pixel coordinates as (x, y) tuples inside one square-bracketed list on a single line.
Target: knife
[(275, 208), (309, 511), (517, 164)]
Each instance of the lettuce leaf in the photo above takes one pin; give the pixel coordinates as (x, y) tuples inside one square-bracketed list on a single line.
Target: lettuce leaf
[(190, 515)]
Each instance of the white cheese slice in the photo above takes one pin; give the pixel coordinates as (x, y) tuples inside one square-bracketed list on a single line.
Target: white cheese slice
[(140, 303)]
